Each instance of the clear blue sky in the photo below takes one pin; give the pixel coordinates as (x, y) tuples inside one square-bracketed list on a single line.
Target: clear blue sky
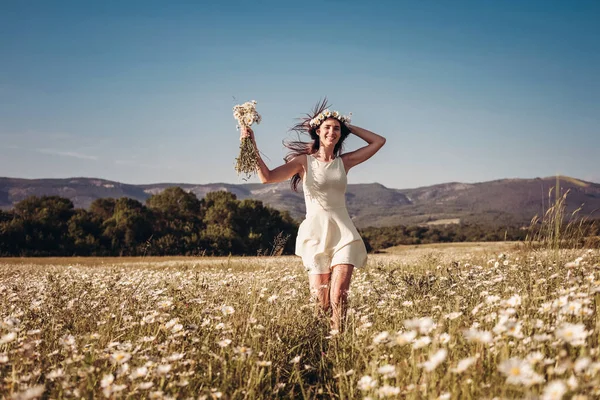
[(142, 91)]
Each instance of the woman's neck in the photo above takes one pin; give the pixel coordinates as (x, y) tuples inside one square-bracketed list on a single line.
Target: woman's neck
[(325, 153)]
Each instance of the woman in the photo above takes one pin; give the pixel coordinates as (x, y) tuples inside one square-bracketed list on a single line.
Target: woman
[(327, 241)]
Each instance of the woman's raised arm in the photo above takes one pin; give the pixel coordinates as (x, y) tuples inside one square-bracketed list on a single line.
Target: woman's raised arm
[(375, 142), (279, 174)]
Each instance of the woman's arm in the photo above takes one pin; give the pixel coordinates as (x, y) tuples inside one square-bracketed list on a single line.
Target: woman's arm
[(279, 174), (375, 142)]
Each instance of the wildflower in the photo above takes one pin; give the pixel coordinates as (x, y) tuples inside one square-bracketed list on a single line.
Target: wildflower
[(272, 298), (546, 307), (295, 360), (243, 351), (163, 369), (146, 385), (120, 357), (421, 342), (118, 388), (453, 315), (572, 308), (534, 358), (474, 335), (3, 358), (435, 360), (513, 301), (574, 334), (382, 337), (542, 337), (171, 323), (9, 337), (164, 304), (175, 357), (581, 364), (56, 373), (107, 380), (423, 325), (67, 341), (555, 390), (366, 383), (139, 373), (264, 363), (492, 299), (519, 372), (227, 310), (464, 364), (513, 328), (444, 338), (387, 371), (31, 393), (388, 391), (404, 338)]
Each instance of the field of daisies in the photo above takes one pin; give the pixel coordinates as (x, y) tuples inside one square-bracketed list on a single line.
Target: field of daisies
[(431, 324)]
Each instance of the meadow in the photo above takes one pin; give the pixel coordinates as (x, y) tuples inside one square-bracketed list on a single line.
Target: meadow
[(424, 322)]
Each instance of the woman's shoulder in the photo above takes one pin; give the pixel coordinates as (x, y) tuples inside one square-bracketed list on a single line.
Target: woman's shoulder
[(300, 161)]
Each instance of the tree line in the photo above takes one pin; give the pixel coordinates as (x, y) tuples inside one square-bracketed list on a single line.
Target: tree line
[(383, 237), (173, 222), (584, 233)]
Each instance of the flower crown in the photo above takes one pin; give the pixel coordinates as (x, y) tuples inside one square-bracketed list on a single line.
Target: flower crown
[(318, 120)]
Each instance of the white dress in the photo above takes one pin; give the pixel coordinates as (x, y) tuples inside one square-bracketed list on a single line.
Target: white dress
[(327, 236)]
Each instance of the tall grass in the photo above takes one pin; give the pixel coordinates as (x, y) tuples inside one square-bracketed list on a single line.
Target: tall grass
[(557, 228)]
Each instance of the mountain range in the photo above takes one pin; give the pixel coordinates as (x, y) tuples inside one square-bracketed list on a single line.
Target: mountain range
[(498, 202)]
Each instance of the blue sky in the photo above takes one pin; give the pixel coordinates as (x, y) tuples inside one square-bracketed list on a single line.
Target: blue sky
[(142, 91)]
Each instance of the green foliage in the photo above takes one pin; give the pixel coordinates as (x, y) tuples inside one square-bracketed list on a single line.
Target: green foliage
[(40, 226), (177, 223), (380, 238), (173, 222), (128, 228), (84, 231)]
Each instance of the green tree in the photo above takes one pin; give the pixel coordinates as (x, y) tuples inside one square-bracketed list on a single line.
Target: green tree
[(84, 232), (103, 208), (129, 229), (220, 223), (43, 221), (259, 227), (178, 222)]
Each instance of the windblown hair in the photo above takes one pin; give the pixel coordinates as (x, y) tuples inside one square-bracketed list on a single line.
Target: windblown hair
[(298, 147)]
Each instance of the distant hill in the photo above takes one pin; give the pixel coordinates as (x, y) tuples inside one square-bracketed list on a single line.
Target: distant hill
[(505, 201)]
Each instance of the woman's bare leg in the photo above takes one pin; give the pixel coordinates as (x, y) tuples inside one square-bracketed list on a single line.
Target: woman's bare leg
[(319, 290), (340, 283)]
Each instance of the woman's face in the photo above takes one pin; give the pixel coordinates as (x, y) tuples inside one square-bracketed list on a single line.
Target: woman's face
[(329, 132)]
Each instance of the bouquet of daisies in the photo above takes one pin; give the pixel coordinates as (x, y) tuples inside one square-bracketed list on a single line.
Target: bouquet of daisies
[(246, 115)]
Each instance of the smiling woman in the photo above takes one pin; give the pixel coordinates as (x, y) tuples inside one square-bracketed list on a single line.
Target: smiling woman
[(328, 242)]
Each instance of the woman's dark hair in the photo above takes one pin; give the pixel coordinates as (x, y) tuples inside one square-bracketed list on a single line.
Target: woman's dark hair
[(298, 147)]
